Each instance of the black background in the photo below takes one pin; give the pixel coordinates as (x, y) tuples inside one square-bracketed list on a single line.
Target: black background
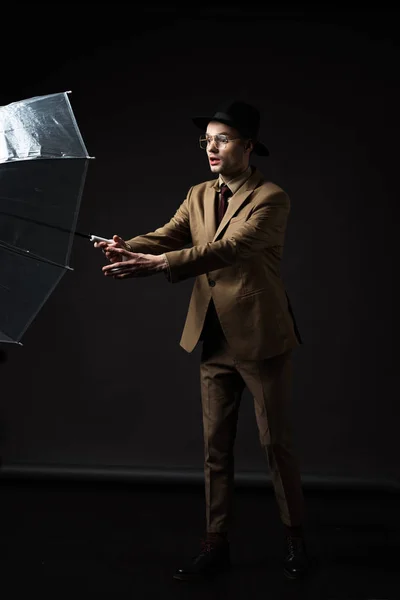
[(100, 382)]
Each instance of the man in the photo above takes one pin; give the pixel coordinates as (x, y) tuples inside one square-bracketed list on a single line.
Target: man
[(240, 311)]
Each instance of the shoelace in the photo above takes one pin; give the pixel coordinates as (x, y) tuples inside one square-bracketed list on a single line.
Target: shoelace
[(293, 545)]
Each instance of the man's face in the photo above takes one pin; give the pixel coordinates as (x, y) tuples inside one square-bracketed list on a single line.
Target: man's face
[(228, 159)]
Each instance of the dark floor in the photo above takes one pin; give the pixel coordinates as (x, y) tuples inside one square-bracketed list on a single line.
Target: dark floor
[(90, 539)]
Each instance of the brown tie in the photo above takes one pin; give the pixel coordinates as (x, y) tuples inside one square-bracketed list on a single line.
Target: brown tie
[(224, 194)]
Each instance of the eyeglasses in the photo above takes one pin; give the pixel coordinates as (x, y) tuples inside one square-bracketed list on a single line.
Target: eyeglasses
[(220, 140)]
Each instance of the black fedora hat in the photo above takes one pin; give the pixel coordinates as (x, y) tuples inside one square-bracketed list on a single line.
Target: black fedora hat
[(242, 116)]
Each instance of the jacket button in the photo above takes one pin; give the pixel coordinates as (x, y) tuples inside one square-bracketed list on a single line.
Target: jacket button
[(211, 282)]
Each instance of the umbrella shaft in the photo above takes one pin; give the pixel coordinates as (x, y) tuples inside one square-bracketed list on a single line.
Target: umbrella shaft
[(79, 233)]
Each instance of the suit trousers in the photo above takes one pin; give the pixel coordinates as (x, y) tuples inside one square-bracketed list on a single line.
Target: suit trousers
[(223, 379)]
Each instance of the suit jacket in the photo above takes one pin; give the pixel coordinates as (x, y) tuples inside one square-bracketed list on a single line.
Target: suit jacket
[(237, 264)]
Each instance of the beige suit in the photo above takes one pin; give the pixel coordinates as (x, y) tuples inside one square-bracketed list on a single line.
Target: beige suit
[(237, 265)]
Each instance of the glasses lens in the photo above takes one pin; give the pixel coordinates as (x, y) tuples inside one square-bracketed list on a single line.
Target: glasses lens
[(220, 141)]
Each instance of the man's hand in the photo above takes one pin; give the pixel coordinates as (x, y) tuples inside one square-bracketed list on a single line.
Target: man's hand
[(117, 242), (107, 247), (126, 264)]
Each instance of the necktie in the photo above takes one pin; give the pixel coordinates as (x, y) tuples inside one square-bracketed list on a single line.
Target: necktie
[(224, 194)]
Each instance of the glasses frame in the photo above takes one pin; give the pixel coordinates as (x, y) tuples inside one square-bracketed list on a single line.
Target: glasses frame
[(207, 140)]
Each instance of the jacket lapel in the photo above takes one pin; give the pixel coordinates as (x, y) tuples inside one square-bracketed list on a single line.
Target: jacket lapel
[(237, 200)]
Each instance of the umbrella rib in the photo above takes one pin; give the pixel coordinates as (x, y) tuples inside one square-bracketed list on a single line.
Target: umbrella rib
[(10, 337), (79, 233), (28, 254)]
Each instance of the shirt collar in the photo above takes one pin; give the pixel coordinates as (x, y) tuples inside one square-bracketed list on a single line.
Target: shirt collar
[(237, 182)]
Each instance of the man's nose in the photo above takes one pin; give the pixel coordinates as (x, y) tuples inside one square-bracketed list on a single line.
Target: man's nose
[(212, 146)]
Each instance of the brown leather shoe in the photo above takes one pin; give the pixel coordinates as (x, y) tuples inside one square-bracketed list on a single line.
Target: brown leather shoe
[(213, 558)]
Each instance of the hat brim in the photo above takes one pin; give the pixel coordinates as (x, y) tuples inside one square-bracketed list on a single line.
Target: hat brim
[(201, 122)]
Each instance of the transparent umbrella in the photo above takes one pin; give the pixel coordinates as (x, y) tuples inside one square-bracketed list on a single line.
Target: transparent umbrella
[(43, 166)]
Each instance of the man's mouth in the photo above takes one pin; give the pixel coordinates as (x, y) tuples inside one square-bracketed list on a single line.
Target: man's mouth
[(213, 160)]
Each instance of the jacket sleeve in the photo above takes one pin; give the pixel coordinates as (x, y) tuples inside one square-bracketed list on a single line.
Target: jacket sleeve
[(265, 228), (173, 235)]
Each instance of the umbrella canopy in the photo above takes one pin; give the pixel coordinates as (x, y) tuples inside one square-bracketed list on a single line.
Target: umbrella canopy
[(43, 165)]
